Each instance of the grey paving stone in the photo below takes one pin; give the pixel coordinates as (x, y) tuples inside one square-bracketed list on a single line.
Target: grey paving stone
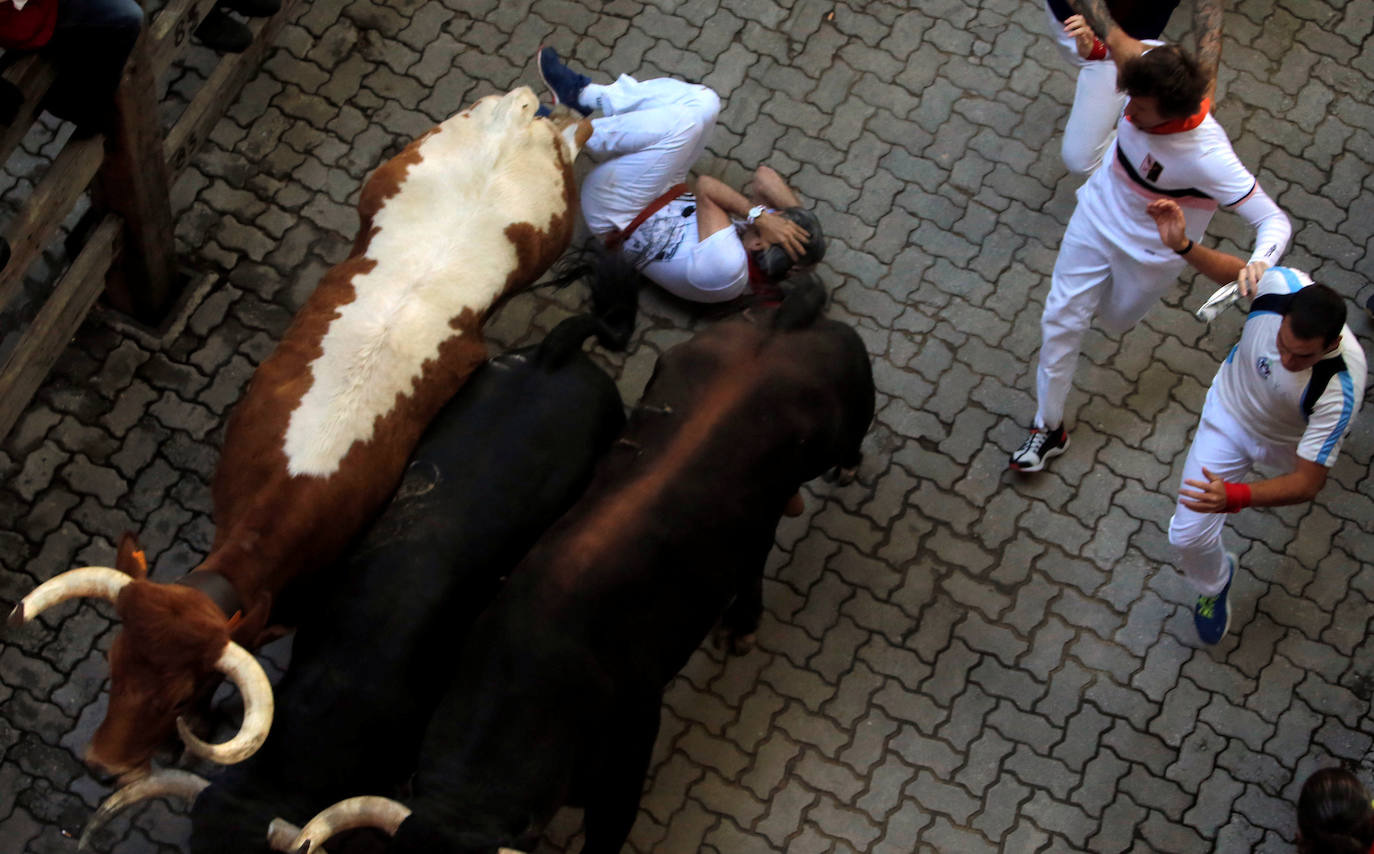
[(966, 717), (785, 811), (927, 140)]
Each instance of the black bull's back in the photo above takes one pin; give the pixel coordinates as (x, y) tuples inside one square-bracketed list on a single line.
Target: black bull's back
[(561, 680), (373, 653)]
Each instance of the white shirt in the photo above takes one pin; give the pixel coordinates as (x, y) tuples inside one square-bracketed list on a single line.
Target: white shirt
[(1196, 168), (1253, 386)]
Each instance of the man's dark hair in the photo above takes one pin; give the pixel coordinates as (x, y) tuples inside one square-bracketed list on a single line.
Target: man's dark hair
[(1170, 76), (774, 262), (1334, 815), (1316, 312)]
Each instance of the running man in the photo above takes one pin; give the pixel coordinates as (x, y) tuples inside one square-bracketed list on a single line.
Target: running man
[(1112, 264), (1283, 399)]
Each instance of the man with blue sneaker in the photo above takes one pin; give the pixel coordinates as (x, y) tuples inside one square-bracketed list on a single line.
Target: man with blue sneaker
[(1283, 399), (707, 246)]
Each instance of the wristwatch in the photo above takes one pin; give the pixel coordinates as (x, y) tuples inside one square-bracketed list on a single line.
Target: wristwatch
[(754, 213)]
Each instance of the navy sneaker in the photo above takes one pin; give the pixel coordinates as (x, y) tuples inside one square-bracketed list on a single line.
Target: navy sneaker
[(1212, 614), (563, 83), (1038, 448)]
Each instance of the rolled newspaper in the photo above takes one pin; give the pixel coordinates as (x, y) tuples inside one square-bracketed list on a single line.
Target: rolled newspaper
[(1218, 301)]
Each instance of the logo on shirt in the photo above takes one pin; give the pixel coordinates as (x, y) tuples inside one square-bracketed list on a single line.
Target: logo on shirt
[(1262, 365), (1151, 168)]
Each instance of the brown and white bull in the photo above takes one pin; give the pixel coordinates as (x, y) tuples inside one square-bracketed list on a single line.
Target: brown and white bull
[(475, 209)]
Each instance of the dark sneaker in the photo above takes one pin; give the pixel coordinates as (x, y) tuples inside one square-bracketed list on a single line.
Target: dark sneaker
[(1038, 448), (223, 32), (1212, 614), (564, 83)]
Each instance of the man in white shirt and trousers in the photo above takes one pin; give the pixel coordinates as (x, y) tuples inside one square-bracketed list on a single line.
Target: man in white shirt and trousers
[(1111, 264), (708, 246), (1283, 399)]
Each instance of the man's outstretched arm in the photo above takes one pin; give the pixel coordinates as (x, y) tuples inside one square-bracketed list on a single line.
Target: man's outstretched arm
[(1207, 25), (1097, 15), (1211, 495), (1121, 44)]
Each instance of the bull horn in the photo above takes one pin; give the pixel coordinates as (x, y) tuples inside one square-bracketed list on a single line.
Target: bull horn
[(281, 833), (362, 811), (99, 581), (244, 671), (159, 784)]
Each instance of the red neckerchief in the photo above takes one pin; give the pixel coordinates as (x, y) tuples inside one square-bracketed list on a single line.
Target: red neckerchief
[(762, 287), (756, 276), (1180, 125)]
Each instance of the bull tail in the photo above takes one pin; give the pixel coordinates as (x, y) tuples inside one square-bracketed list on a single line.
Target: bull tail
[(802, 305), (614, 284)]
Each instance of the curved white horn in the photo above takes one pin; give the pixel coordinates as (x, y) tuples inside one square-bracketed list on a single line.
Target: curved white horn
[(281, 832), (99, 581), (244, 671), (362, 811), (159, 784)]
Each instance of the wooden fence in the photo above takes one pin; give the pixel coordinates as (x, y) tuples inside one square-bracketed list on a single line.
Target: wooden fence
[(129, 253)]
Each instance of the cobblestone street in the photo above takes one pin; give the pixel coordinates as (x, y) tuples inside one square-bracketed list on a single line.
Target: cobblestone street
[(953, 659)]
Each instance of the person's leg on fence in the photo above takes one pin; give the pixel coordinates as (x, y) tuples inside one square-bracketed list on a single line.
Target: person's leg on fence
[(223, 32), (90, 46)]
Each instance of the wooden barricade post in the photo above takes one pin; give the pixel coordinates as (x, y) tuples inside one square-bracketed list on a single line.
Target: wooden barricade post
[(132, 245)]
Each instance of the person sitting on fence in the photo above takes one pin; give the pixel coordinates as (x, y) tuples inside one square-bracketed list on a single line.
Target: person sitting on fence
[(708, 246), (89, 41)]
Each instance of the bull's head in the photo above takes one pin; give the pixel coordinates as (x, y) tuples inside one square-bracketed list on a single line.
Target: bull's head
[(173, 642)]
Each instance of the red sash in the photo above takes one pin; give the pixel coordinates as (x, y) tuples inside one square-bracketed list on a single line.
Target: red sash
[(614, 239)]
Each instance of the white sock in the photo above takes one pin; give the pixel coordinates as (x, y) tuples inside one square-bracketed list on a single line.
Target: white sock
[(590, 97)]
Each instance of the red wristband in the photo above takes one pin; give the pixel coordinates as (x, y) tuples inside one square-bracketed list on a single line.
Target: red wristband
[(1099, 50), (1237, 496)]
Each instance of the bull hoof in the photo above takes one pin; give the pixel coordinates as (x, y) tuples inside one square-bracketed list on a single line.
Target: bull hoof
[(842, 476), (733, 644), (743, 644)]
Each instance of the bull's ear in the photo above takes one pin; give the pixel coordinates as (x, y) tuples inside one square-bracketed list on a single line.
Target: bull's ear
[(130, 559)]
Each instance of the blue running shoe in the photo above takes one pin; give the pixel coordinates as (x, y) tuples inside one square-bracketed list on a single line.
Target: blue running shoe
[(563, 83), (1212, 614)]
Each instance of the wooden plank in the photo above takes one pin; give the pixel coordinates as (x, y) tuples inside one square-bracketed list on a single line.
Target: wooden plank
[(222, 89), (45, 339), (32, 75), (136, 184), (37, 221)]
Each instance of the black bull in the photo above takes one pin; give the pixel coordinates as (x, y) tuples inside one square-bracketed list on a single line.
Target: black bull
[(560, 684), (498, 465)]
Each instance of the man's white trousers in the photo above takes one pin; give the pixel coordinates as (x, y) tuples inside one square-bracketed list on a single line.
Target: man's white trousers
[(1224, 447)]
